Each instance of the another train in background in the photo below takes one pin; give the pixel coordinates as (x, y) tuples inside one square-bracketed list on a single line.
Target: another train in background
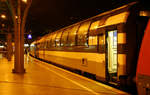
[(105, 46)]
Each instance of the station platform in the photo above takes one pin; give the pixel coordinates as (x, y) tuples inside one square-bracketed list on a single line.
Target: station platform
[(45, 79)]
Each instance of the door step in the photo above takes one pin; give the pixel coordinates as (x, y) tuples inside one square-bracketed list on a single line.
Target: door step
[(113, 83)]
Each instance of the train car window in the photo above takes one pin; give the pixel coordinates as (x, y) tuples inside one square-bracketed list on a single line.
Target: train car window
[(82, 34), (37, 45), (47, 42), (58, 38), (72, 36), (92, 40), (145, 13), (53, 39), (64, 39), (93, 27), (119, 18), (40, 45), (50, 40), (44, 45)]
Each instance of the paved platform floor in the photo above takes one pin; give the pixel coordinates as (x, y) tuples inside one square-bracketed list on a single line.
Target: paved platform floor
[(45, 79)]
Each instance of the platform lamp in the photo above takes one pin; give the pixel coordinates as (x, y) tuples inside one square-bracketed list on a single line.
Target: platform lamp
[(25, 1), (29, 36), (3, 16)]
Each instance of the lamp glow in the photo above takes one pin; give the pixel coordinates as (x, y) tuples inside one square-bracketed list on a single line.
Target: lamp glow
[(29, 36), (25, 1), (3, 16)]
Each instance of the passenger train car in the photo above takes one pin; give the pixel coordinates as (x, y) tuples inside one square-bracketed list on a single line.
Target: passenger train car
[(106, 46)]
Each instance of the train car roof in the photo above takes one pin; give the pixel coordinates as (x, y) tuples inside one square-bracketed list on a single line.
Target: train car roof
[(111, 12)]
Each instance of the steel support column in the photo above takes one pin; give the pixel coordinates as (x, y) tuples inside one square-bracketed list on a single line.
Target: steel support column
[(9, 46), (19, 44)]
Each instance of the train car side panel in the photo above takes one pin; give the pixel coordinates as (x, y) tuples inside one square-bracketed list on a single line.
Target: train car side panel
[(93, 63)]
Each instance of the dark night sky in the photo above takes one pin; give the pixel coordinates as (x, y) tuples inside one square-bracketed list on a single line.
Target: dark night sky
[(55, 14)]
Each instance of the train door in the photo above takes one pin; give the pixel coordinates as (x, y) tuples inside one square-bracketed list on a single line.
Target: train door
[(111, 55)]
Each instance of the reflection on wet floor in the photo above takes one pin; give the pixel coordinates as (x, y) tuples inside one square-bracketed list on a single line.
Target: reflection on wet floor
[(45, 79)]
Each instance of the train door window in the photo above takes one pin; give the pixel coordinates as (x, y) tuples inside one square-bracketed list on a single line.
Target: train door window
[(112, 54), (72, 36), (82, 34), (58, 38)]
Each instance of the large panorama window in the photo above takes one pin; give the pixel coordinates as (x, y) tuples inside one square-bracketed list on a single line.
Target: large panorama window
[(53, 38), (92, 33), (58, 38), (82, 34), (64, 39), (72, 35), (50, 41)]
